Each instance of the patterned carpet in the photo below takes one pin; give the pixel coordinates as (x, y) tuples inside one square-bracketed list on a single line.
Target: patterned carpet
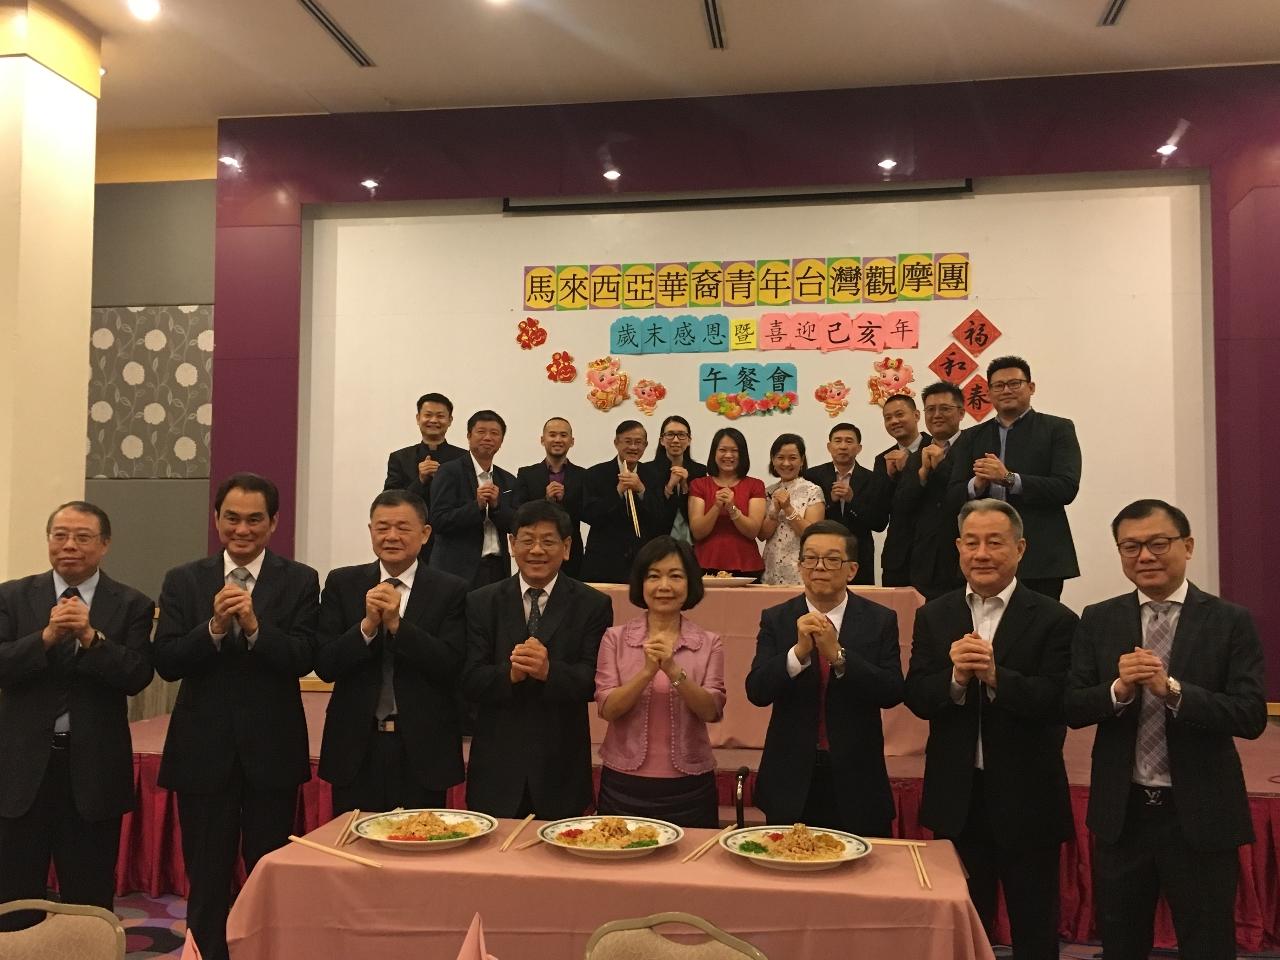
[(154, 927)]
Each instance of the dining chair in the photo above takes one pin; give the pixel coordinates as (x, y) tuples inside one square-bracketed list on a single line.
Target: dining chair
[(635, 939), (70, 930)]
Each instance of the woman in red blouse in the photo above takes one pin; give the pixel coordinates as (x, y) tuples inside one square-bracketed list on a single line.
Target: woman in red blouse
[(726, 509)]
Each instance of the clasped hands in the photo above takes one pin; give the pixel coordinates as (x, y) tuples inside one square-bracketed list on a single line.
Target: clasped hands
[(487, 495), (971, 656), (233, 602), (529, 659), (677, 479), (381, 609), (1142, 668), (629, 480), (658, 650), (68, 618), (814, 631), (988, 469)]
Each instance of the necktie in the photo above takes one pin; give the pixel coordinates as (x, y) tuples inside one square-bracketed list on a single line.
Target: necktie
[(1153, 748), (62, 725), (240, 576), (71, 593), (387, 692), (824, 677), (534, 596)]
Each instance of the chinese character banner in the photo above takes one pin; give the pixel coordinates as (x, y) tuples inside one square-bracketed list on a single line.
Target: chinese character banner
[(747, 283), (717, 333)]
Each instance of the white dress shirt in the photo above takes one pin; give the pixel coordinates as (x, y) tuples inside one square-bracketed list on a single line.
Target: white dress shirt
[(491, 545), (63, 722), (254, 567), (987, 614), (404, 589)]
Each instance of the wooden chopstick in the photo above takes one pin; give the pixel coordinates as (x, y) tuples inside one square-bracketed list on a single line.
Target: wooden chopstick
[(895, 842), (515, 833), (333, 852), (631, 507), (342, 840), (922, 874), (708, 844), (527, 844)]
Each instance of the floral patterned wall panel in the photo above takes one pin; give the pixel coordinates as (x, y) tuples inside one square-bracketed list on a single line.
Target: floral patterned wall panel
[(150, 392)]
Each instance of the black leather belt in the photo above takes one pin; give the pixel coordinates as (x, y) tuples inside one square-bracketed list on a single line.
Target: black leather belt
[(1152, 796), (62, 741)]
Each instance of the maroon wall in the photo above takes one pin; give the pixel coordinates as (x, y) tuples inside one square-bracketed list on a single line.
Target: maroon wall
[(1087, 124)]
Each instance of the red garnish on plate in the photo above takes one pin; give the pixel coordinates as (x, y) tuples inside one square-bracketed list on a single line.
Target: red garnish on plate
[(404, 836), (775, 837), (571, 833)]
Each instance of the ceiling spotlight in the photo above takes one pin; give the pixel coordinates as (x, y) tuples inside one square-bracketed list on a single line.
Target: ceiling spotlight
[(145, 9), (886, 164), (1168, 150), (612, 174), (369, 184), (102, 71), (231, 162)]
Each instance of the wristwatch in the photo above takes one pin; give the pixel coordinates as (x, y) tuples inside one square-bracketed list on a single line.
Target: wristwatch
[(838, 662), (734, 512), (680, 679), (1175, 693), (1008, 478)]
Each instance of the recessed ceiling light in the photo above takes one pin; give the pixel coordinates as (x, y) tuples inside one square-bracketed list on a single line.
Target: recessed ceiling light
[(145, 9), (887, 164), (1168, 150), (229, 162), (612, 175), (102, 71), (369, 184)]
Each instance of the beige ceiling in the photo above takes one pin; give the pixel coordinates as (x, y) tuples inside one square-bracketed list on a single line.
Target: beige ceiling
[(204, 59)]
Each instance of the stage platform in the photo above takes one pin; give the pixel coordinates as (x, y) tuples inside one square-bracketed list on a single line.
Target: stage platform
[(151, 854)]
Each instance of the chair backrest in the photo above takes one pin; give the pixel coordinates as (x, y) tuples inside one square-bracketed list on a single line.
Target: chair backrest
[(635, 939), (70, 930)]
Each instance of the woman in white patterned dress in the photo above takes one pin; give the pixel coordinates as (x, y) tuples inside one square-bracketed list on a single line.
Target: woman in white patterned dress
[(791, 505)]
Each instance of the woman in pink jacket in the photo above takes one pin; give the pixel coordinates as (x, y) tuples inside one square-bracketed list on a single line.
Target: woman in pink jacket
[(659, 682)]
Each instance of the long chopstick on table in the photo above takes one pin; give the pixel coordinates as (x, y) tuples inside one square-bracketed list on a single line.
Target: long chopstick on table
[(527, 844), (333, 852), (515, 833), (342, 840), (707, 844), (922, 874), (894, 842)]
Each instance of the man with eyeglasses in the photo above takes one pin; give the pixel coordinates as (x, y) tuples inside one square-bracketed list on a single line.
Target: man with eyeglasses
[(532, 641), (559, 481), (618, 508), (391, 640), (1030, 460), (827, 662), (988, 664), (414, 467), (472, 502), (921, 509), (1170, 675), (902, 422), (74, 645)]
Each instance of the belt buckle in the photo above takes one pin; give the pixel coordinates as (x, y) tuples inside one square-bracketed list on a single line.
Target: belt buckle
[(61, 740), (387, 725), (1154, 796)]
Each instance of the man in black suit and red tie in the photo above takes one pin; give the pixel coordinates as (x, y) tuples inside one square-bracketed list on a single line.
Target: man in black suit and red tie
[(1170, 674), (391, 640), (74, 645), (988, 664), (532, 641), (827, 662), (559, 481), (854, 495), (238, 629)]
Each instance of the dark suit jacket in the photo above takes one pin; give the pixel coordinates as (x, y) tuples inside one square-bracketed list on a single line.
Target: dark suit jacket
[(1044, 452), (1218, 660), (531, 484), (867, 511), (402, 466), (896, 555), (94, 682), (929, 515), (458, 522), (236, 707), (1024, 777), (428, 650), (872, 680), (535, 731), (612, 543), (662, 509)]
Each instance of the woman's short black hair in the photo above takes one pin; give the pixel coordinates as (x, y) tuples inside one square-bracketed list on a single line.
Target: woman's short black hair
[(744, 458), (659, 548), (781, 441)]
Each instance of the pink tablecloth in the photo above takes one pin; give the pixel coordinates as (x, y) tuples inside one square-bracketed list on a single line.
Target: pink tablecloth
[(544, 903), (734, 613)]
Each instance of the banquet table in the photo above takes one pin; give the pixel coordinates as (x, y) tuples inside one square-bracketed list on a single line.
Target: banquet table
[(734, 613), (541, 902)]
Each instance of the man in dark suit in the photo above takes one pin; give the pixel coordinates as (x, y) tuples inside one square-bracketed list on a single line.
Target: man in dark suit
[(613, 490), (472, 502), (531, 662), (1170, 674), (557, 480), (413, 467), (391, 639), (74, 644), (988, 664), (238, 629), (827, 662), (1028, 459), (854, 495), (922, 513), (902, 422)]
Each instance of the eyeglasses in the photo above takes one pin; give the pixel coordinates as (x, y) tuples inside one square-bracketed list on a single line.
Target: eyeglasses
[(826, 563), (1156, 546), (1010, 385), (673, 435), (546, 543), (60, 537), (942, 408)]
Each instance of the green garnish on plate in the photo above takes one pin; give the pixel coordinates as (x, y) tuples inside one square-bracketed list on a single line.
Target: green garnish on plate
[(640, 843), (750, 846)]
